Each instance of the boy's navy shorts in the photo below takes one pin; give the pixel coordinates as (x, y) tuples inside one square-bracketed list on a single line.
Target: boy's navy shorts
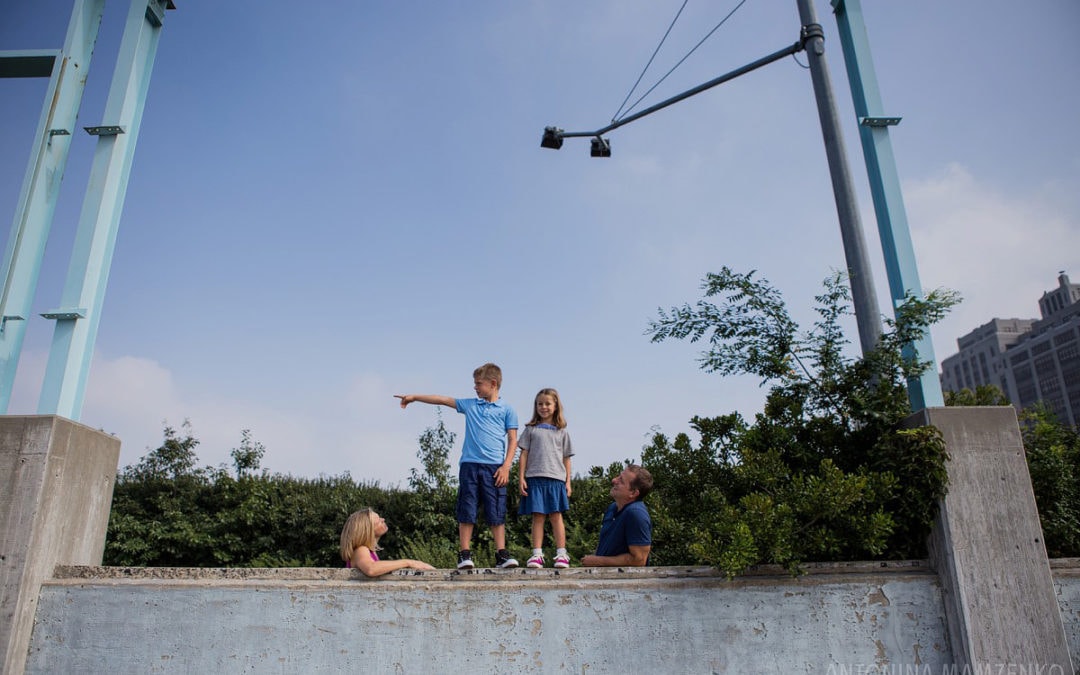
[(476, 487)]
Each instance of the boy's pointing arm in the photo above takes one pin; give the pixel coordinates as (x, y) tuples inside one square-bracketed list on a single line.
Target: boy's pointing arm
[(433, 399)]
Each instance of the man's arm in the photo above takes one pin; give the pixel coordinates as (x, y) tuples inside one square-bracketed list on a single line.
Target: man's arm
[(637, 557), (502, 474), (433, 399)]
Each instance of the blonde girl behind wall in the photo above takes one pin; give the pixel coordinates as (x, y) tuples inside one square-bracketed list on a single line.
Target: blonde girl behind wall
[(360, 541)]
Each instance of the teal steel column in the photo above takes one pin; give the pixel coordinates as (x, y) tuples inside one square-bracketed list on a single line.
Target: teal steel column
[(67, 70), (925, 391), (88, 274)]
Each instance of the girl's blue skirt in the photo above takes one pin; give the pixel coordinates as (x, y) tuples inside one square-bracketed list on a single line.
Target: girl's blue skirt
[(546, 495)]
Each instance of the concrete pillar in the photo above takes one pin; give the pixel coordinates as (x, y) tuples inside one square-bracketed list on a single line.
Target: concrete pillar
[(988, 549), (56, 485)]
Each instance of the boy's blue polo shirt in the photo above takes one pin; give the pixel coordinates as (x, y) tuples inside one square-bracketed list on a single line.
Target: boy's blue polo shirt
[(486, 424)]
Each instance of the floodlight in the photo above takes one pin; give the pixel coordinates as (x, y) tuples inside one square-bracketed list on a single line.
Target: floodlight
[(552, 138), (600, 147)]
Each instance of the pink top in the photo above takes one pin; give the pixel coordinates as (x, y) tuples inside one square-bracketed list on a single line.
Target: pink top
[(374, 558)]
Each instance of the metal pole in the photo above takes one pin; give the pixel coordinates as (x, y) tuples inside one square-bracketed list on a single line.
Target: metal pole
[(923, 391), (864, 299)]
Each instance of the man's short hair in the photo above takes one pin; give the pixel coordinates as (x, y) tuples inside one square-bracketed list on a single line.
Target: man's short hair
[(489, 371), (642, 480)]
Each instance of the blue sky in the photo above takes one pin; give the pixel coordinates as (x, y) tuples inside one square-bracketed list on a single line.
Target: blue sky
[(333, 204)]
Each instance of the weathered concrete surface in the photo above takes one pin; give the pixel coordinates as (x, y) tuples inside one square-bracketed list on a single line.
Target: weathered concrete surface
[(987, 546), (56, 485), (658, 620), (1066, 573)]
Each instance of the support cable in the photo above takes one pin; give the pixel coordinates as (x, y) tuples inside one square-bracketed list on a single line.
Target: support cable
[(702, 41), (643, 70)]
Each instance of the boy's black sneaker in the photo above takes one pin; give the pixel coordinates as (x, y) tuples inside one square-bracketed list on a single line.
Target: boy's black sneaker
[(464, 560), (503, 559)]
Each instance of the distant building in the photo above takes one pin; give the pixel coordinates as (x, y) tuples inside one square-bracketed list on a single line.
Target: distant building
[(1031, 360), (979, 361)]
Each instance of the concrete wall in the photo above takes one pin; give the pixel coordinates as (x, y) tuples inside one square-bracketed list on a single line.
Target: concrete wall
[(991, 586), (1067, 585), (987, 545), (56, 485), (654, 620)]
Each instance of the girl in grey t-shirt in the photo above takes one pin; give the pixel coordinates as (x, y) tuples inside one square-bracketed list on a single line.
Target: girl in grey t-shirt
[(544, 475)]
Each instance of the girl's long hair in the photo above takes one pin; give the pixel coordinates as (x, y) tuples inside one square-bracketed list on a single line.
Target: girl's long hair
[(359, 530), (557, 417)]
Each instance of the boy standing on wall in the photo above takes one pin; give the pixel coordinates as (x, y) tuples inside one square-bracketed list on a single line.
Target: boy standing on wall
[(486, 456)]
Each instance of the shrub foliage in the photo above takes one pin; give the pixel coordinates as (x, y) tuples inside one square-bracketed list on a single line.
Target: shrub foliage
[(826, 471)]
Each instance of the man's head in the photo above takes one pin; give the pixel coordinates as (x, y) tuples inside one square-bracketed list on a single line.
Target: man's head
[(633, 484)]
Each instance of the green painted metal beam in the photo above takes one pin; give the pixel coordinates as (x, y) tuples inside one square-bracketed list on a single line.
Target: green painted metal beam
[(67, 70), (903, 273), (77, 318)]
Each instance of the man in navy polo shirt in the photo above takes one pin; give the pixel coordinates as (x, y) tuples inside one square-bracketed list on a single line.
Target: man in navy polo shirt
[(626, 533)]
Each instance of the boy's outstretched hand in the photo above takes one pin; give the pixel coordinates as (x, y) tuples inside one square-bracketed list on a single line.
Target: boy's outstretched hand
[(433, 399)]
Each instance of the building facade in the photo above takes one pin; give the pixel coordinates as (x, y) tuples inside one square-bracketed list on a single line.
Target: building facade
[(1031, 360)]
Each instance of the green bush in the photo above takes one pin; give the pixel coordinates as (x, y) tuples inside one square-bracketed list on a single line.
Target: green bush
[(1053, 455), (168, 511), (825, 471)]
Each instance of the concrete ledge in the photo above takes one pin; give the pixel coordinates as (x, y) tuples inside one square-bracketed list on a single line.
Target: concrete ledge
[(595, 620), (811, 573), (851, 617)]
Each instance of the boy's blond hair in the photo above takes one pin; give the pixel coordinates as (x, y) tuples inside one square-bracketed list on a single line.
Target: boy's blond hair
[(359, 530), (489, 371)]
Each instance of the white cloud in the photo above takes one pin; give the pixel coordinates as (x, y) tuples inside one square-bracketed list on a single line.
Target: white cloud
[(133, 398), (1000, 250)]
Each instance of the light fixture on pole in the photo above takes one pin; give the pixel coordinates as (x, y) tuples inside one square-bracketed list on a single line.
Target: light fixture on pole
[(600, 147), (864, 298), (552, 138)]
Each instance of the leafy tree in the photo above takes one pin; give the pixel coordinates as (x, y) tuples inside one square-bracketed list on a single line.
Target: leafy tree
[(174, 459), (248, 457), (430, 526), (1053, 454), (168, 511), (984, 394), (159, 506), (818, 474)]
